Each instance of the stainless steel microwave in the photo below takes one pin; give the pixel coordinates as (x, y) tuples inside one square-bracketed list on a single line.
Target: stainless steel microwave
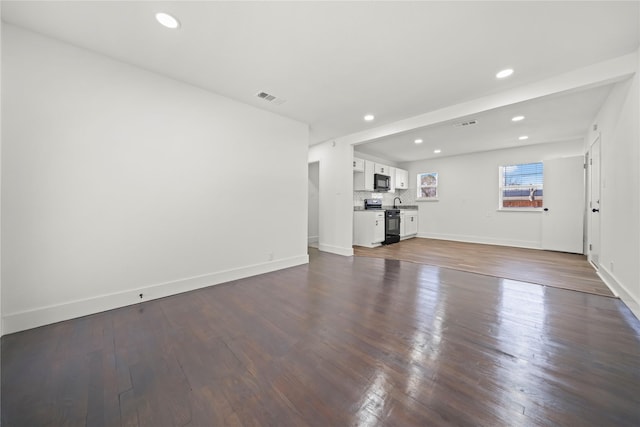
[(381, 182)]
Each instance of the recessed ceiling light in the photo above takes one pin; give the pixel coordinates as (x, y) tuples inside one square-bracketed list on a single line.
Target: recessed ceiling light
[(369, 117), (418, 141), (523, 137), (504, 73), (517, 118), (167, 20), (437, 151)]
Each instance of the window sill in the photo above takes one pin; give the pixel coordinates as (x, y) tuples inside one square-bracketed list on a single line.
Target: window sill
[(519, 209)]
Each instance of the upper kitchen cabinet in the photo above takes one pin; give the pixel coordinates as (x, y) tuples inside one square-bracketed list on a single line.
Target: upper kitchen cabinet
[(363, 180), (392, 180), (358, 165), (364, 171), (402, 179), (382, 169)]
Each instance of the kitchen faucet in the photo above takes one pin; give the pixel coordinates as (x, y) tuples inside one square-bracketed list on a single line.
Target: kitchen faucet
[(394, 201)]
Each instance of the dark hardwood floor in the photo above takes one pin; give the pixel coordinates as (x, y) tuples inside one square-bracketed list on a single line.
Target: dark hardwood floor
[(549, 268), (343, 341)]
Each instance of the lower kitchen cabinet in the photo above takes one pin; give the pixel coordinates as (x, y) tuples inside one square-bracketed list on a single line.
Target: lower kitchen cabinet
[(368, 228), (408, 223)]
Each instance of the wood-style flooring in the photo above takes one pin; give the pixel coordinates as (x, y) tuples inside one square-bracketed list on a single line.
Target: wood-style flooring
[(342, 341), (557, 269)]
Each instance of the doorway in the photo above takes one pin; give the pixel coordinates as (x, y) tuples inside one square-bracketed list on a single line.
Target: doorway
[(313, 224)]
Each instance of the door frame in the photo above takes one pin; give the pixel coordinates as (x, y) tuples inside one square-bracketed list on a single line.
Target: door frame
[(593, 223)]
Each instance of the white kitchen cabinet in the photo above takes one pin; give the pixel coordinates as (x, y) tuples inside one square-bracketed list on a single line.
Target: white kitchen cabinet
[(412, 223), (401, 179), (382, 169), (358, 165), (363, 181), (392, 180), (408, 223), (368, 228)]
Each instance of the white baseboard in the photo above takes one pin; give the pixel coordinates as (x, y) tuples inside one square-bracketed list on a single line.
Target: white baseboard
[(482, 240), (20, 321), (336, 249), (619, 290), (312, 239)]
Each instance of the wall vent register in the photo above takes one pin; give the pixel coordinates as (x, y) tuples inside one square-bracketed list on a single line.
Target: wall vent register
[(270, 98)]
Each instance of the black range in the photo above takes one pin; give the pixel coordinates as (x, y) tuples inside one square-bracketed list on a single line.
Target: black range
[(391, 220)]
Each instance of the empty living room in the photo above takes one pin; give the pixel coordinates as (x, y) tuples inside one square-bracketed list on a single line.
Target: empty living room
[(322, 213)]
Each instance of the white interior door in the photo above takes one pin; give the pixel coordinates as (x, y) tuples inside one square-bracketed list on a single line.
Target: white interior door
[(563, 201), (593, 210)]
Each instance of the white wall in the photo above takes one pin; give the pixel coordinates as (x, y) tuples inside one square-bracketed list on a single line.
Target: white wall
[(1, 318), (468, 196), (314, 202), (117, 181), (335, 198), (618, 124)]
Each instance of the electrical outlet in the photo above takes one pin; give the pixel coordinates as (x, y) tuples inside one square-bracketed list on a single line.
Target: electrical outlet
[(270, 256), (141, 296), (611, 266)]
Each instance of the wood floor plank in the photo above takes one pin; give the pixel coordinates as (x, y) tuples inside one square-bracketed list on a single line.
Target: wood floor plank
[(342, 341), (556, 269)]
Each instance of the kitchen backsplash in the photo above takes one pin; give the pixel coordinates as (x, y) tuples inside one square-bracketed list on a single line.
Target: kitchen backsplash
[(408, 197)]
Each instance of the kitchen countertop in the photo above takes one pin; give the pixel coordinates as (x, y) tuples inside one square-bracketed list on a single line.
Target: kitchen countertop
[(385, 207)]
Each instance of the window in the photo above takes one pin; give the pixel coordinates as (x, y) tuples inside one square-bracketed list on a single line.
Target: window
[(521, 186), (427, 186)]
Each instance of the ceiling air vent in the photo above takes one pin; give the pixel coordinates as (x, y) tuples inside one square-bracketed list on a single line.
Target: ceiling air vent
[(270, 98), (467, 123)]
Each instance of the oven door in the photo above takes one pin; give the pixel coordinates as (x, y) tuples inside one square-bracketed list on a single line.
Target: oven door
[(391, 226)]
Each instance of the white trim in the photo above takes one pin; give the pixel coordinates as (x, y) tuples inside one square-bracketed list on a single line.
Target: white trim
[(28, 319), (312, 239), (619, 290), (520, 210), (482, 240), (408, 236), (336, 249)]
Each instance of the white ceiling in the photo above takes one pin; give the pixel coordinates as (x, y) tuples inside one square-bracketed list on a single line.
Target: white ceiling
[(554, 118), (333, 62)]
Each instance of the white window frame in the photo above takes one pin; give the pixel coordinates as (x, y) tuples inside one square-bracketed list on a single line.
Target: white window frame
[(419, 187), (534, 187)]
